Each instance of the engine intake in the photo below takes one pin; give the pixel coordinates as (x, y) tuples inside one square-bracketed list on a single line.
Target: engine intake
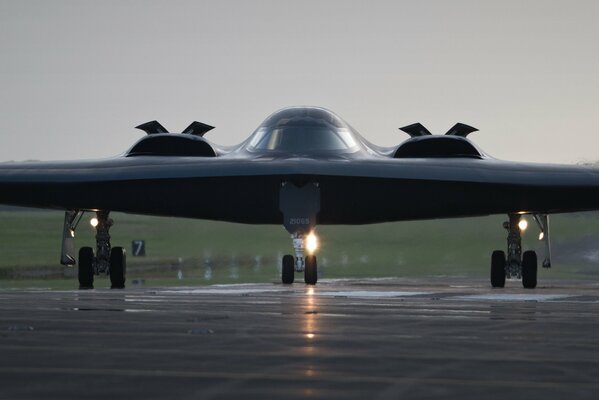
[(437, 147), (168, 144)]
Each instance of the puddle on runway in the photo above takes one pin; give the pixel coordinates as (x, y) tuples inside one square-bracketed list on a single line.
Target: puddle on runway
[(512, 297), (233, 290), (369, 294)]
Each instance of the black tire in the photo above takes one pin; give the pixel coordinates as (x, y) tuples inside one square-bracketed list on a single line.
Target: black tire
[(498, 269), (86, 268), (529, 269), (118, 267), (288, 271), (311, 271)]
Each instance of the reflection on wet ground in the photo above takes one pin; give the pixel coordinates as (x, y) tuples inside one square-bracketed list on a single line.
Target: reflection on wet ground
[(412, 338)]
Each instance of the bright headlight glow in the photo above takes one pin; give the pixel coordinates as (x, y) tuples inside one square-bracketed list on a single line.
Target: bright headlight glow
[(311, 242), (541, 235), (523, 224), (93, 222)]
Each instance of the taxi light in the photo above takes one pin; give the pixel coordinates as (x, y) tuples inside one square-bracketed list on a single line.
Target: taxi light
[(311, 242), (93, 222)]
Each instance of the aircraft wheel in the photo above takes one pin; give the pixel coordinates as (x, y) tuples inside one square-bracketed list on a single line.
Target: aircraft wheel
[(311, 272), (529, 269), (86, 268), (498, 269), (288, 272), (118, 267)]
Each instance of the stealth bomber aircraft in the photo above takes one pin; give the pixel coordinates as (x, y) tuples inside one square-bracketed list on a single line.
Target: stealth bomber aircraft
[(302, 167)]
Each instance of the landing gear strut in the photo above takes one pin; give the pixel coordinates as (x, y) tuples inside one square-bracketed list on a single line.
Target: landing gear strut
[(102, 261), (514, 246), (517, 264), (106, 259), (300, 203)]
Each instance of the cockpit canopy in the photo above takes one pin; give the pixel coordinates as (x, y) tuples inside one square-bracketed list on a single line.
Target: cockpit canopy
[(303, 130)]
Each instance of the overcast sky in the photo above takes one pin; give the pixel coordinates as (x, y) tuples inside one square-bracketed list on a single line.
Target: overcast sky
[(77, 76)]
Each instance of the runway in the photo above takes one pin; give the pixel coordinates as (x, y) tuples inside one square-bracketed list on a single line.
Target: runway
[(376, 339)]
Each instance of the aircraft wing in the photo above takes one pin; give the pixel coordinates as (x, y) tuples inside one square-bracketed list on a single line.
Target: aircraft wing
[(246, 189)]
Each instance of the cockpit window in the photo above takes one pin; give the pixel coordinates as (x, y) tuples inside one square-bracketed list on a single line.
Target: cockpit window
[(303, 130)]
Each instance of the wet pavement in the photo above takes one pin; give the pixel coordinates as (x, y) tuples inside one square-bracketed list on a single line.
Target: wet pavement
[(381, 339)]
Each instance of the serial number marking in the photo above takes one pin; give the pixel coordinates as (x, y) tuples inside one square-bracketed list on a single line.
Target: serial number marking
[(299, 221)]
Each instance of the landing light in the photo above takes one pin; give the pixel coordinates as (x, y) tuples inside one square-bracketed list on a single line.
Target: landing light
[(311, 243), (93, 222), (523, 225), (541, 235)]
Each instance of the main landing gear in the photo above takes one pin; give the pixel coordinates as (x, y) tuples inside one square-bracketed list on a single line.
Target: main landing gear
[(299, 263), (517, 264), (107, 260)]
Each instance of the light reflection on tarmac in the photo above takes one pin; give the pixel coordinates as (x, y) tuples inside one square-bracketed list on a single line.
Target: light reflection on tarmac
[(379, 338)]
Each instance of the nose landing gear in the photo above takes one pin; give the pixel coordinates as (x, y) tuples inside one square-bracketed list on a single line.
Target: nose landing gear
[(300, 203), (299, 263)]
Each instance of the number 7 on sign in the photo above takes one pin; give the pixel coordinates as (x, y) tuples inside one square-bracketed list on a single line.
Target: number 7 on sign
[(138, 248)]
